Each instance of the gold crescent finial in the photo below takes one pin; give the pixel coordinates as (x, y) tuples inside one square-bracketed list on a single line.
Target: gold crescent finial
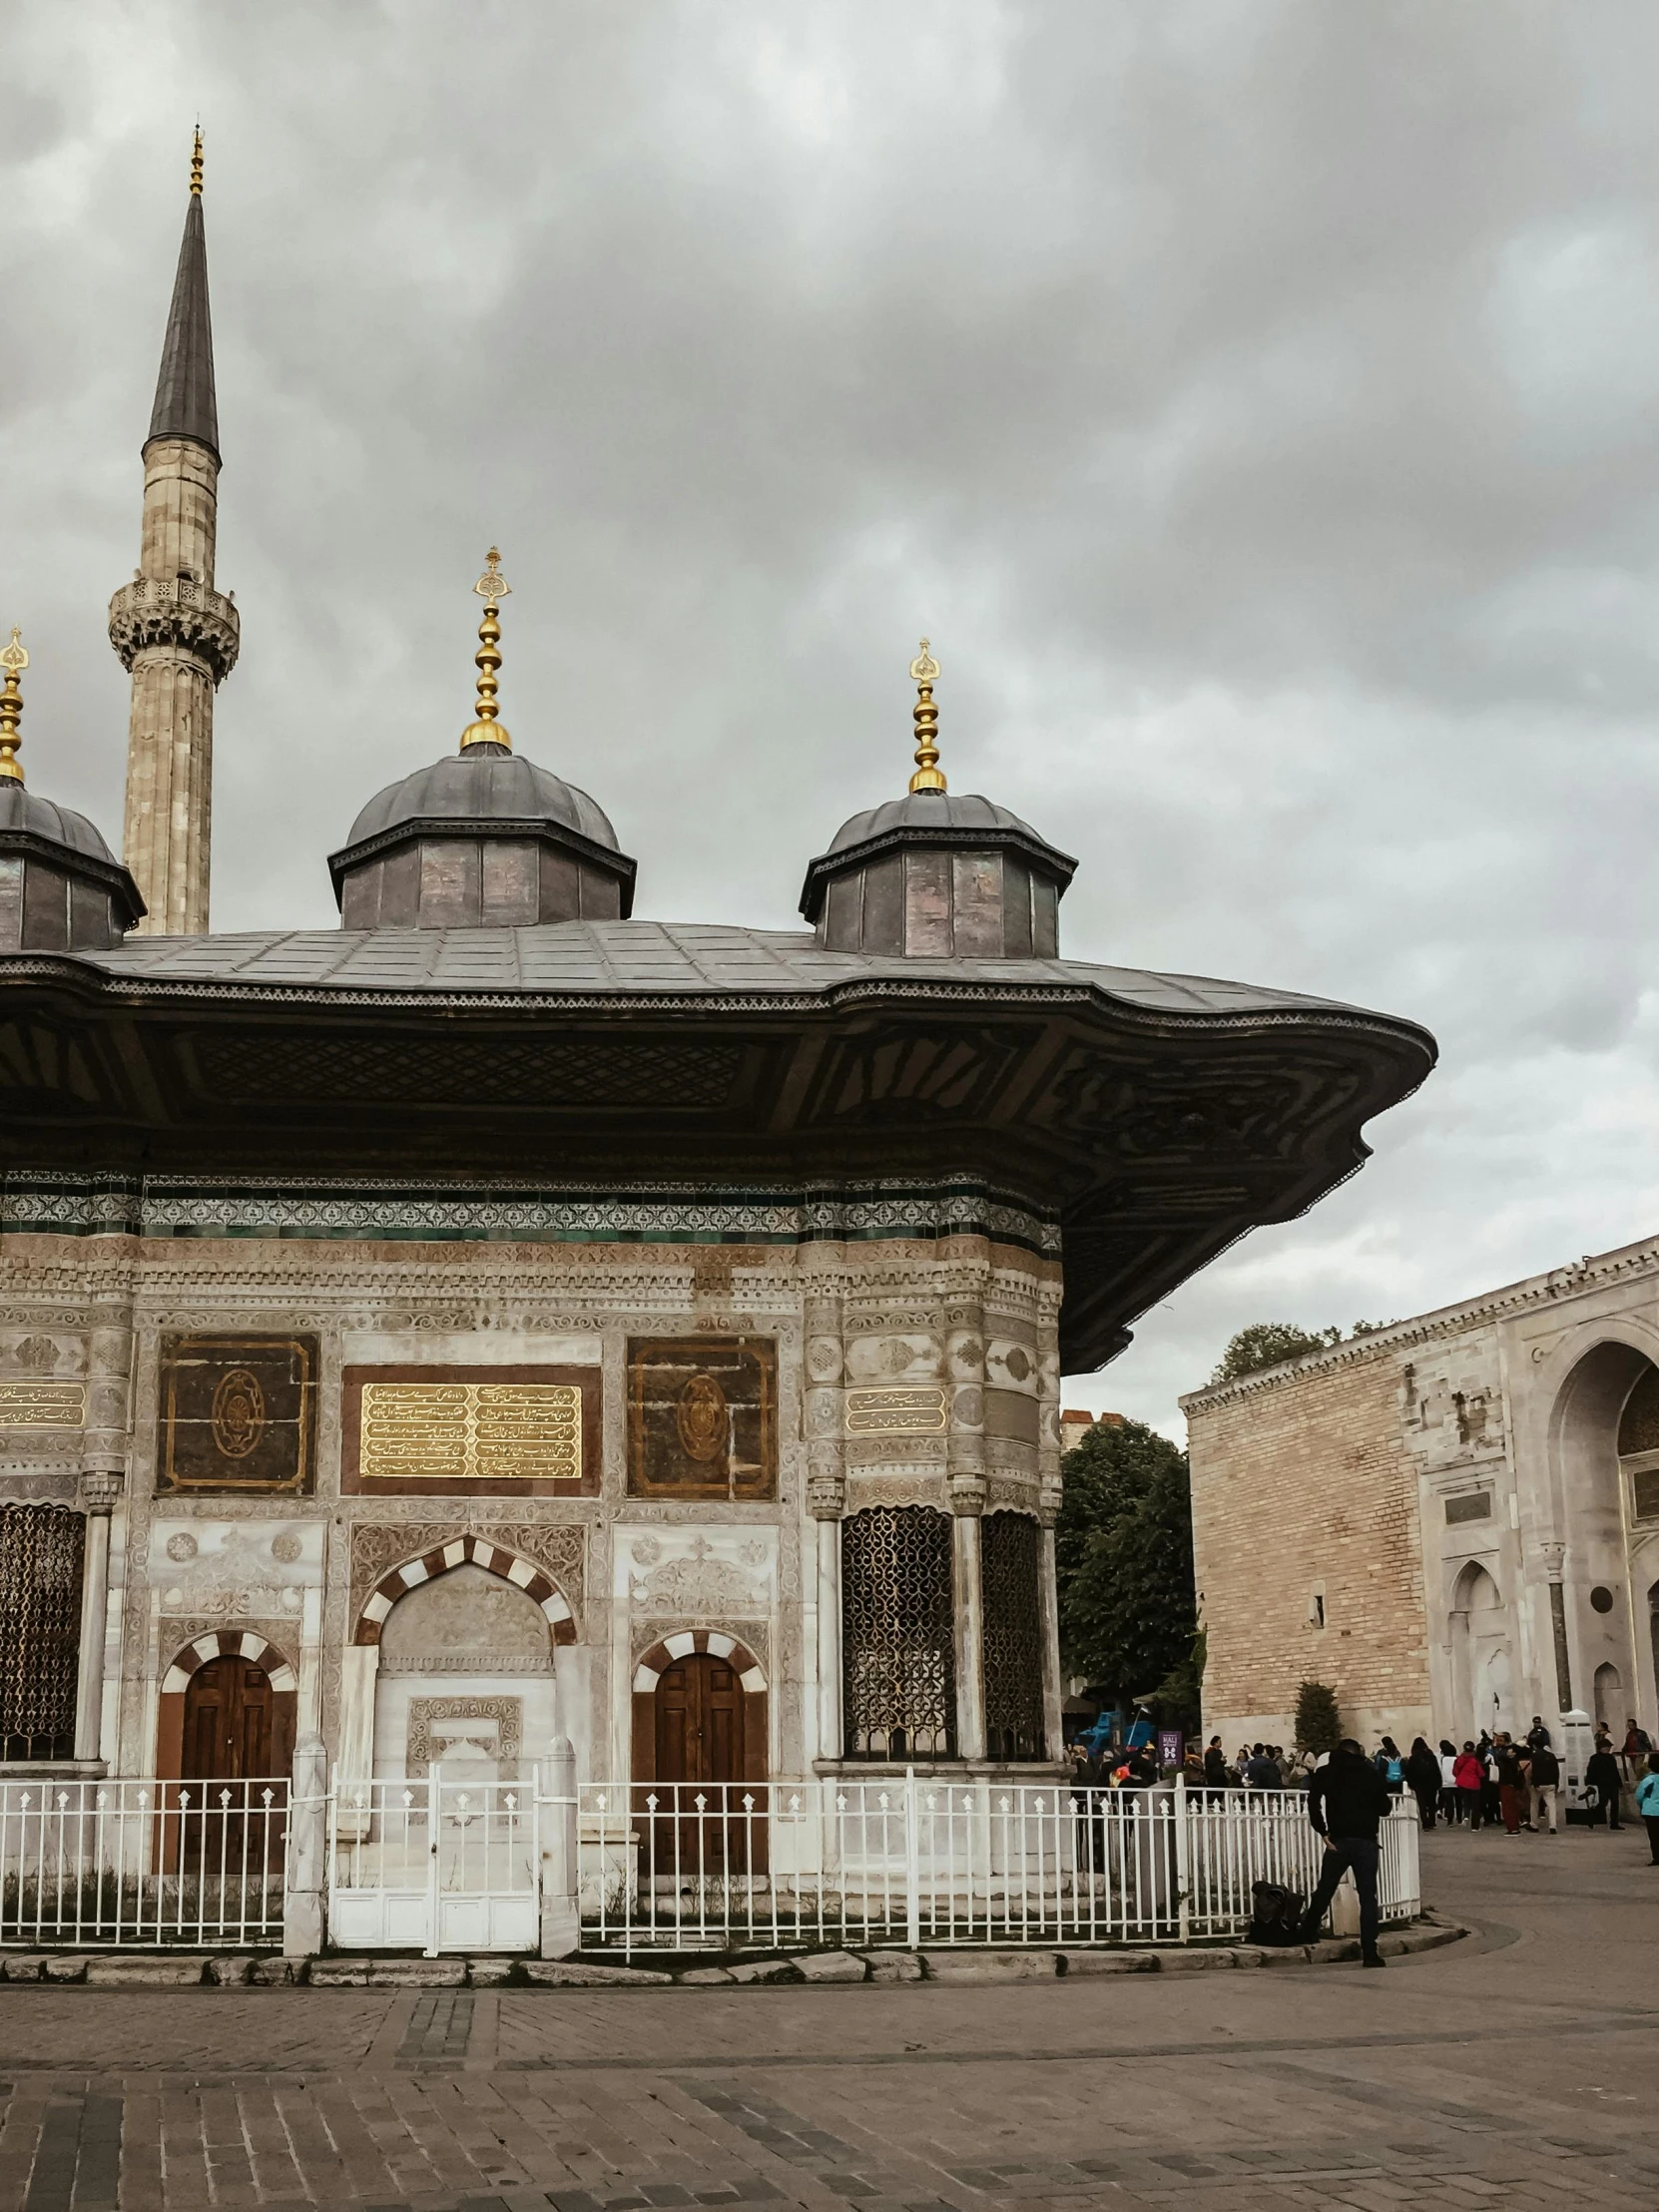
[(196, 165), (492, 587), (14, 661), (925, 674)]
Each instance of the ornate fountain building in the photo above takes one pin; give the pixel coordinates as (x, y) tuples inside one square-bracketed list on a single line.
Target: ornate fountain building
[(504, 1317)]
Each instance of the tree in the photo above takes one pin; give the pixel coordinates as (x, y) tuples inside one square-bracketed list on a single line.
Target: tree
[(1123, 1549), (1318, 1724), (1265, 1343)]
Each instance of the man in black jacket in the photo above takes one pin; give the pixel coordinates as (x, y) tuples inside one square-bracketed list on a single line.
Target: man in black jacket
[(1348, 1801)]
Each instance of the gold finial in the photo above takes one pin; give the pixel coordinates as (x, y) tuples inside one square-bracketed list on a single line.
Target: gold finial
[(195, 166), (925, 674), (14, 661), (492, 587)]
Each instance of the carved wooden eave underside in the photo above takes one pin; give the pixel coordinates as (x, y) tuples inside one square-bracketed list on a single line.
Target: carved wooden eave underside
[(1157, 1119)]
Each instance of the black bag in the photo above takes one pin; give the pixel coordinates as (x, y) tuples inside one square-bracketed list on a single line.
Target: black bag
[(1275, 1917)]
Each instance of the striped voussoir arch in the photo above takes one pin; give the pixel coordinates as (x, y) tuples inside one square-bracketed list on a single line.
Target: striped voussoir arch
[(227, 1643), (651, 1669), (523, 1573)]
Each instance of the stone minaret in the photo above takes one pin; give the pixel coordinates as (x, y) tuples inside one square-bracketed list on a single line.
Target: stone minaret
[(177, 635)]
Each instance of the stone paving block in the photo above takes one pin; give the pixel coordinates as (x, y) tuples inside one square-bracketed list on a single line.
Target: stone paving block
[(892, 1966), (388, 1974), (831, 1965), (570, 1973), (696, 1975), (1109, 1962), (763, 1970), (1193, 1961), (21, 1965), (271, 1974), (60, 1968), (492, 1974), (230, 1974), (116, 1972), (990, 1965)]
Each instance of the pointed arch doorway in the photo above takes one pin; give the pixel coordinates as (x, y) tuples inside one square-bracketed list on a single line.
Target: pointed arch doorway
[(700, 1762), (236, 1726)]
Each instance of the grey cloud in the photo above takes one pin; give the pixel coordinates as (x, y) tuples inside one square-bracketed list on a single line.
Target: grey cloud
[(1253, 403)]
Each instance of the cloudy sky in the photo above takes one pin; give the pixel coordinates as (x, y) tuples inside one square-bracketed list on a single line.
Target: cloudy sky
[(1255, 403)]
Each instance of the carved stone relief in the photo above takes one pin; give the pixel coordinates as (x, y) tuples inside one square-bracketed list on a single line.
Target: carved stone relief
[(467, 1621), (702, 1581), (469, 1730), (379, 1546)]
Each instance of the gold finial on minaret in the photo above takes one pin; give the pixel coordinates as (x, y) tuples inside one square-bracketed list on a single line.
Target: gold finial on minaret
[(492, 587), (196, 165), (14, 661), (925, 674)]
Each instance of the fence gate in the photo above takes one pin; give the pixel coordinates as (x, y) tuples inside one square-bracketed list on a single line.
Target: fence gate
[(434, 1866)]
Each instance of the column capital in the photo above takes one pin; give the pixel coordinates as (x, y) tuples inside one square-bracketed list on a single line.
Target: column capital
[(967, 1494), (101, 1488), (826, 1495), (1555, 1560)]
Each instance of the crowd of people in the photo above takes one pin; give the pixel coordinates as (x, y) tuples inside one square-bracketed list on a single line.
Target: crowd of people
[(1494, 1780)]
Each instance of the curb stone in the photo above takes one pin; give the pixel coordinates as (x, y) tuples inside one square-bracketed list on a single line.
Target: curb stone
[(964, 1968)]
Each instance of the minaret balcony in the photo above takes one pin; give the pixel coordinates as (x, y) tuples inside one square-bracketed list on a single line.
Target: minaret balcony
[(163, 610)]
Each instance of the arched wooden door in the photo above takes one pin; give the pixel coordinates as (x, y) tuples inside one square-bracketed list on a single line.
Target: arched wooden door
[(701, 1754), (235, 1724)]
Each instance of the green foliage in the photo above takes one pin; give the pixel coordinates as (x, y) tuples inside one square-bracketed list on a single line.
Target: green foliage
[(1177, 1702), (1265, 1343), (1318, 1724), (1123, 1549)]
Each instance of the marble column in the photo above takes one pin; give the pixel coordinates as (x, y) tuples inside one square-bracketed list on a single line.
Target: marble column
[(98, 1492), (1049, 1487), (965, 1358), (825, 1358)]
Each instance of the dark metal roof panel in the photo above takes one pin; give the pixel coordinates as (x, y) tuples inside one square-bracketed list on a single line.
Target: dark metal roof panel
[(185, 406), (626, 957)]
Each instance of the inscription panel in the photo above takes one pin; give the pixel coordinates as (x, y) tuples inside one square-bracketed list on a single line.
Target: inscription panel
[(702, 1417), (43, 1404), (894, 1412), (526, 1431), (237, 1413)]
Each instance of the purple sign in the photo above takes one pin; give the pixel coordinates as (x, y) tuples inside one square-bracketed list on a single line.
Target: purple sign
[(1170, 1744)]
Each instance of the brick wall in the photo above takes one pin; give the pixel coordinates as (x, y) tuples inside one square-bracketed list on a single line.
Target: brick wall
[(1304, 1486)]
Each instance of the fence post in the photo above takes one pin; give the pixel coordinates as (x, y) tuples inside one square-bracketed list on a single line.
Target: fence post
[(912, 1863), (1183, 1863), (308, 1857), (561, 1903)]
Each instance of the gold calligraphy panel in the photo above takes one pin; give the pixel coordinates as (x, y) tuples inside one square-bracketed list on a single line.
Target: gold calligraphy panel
[(470, 1433), (43, 1404), (894, 1412)]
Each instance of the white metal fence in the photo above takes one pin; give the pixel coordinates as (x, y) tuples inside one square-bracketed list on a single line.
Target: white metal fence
[(451, 1864), (912, 1860), (143, 1862)]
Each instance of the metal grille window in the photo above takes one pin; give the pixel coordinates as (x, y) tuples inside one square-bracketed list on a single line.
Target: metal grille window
[(41, 1547), (897, 1635), (1011, 1611)]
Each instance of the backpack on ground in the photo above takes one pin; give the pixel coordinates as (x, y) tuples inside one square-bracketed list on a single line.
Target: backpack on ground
[(1276, 1914)]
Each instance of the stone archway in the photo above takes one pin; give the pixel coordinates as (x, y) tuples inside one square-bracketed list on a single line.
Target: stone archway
[(465, 1680), (1604, 1431), (1482, 1659), (370, 1740)]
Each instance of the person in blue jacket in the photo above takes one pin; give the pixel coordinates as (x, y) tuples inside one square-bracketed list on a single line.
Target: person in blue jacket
[(1647, 1802)]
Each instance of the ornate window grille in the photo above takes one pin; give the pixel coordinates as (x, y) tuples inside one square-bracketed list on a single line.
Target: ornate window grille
[(897, 1635), (41, 1548), (1011, 1611)]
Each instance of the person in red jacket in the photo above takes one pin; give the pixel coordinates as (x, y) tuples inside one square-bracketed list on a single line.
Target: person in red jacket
[(1469, 1774)]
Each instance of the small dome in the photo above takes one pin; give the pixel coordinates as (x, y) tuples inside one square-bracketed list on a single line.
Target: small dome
[(964, 814), (486, 783), (24, 811)]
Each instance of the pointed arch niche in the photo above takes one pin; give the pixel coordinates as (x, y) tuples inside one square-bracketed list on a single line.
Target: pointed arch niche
[(1483, 1655), (454, 1662)]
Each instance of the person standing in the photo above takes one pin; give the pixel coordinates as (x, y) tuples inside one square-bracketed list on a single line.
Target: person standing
[(1215, 1765), (1470, 1770), (1261, 1770), (1537, 1736), (1647, 1802), (1547, 1784), (1602, 1774), (1392, 1767), (1451, 1807), (1348, 1802), (1423, 1772), (1510, 1783)]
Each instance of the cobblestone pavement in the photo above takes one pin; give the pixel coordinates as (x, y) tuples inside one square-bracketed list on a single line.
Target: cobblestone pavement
[(1522, 2064)]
